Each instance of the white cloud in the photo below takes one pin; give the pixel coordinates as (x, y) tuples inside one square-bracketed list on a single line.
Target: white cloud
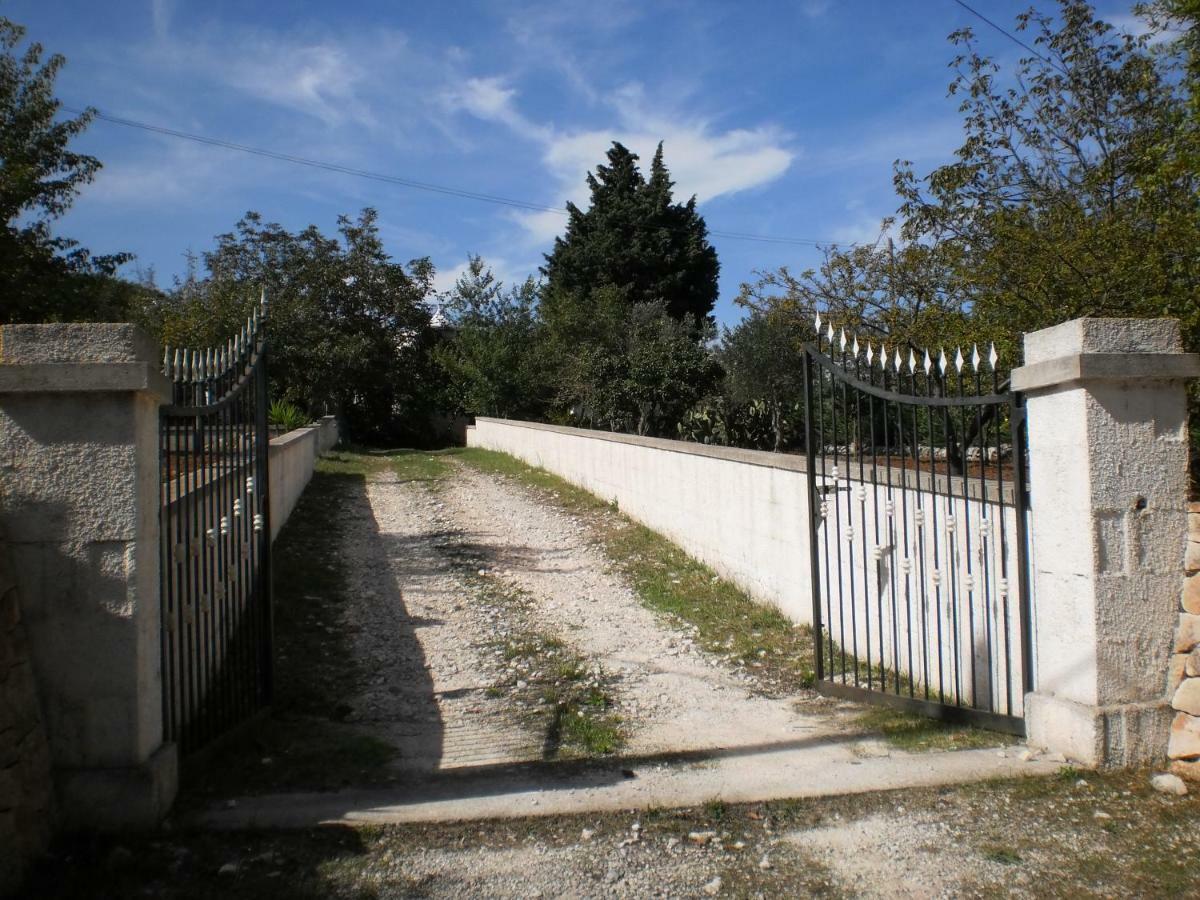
[(703, 161), (160, 17), (1137, 26), (491, 100), (505, 271)]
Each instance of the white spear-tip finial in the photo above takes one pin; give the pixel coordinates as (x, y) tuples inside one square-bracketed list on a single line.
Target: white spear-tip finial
[(830, 333), (993, 357), (854, 348), (912, 362), (958, 360), (944, 361), (817, 322), (870, 354), (975, 360), (928, 361), (842, 340), (897, 361)]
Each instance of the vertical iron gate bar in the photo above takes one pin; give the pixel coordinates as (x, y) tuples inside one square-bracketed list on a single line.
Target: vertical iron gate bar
[(814, 510), (1021, 508)]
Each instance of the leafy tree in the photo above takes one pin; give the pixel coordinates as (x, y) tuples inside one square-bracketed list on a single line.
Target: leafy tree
[(1062, 201), (348, 327), (668, 370), (627, 301), (763, 359), (635, 239), (642, 373), (44, 277), (492, 357), (908, 296)]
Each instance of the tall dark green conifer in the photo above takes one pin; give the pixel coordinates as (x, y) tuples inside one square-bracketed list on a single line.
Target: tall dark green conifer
[(635, 239)]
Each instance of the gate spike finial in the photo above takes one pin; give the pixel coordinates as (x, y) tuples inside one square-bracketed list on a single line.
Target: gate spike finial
[(870, 354), (912, 362), (958, 360), (897, 361), (975, 357), (842, 339), (817, 323), (178, 365), (830, 334), (928, 361), (993, 356), (944, 362), (854, 347)]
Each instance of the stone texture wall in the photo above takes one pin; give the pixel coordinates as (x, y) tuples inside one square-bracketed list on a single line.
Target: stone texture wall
[(1184, 746), (25, 781)]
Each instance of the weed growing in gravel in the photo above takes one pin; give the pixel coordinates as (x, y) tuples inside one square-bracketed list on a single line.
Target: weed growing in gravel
[(721, 617), (419, 465), (560, 690), (908, 731)]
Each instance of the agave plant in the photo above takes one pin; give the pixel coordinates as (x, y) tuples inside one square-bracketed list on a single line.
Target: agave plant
[(285, 416)]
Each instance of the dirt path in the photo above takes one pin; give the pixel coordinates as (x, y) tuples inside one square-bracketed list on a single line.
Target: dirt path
[(426, 557)]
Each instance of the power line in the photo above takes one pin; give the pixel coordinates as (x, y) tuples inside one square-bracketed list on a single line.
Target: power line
[(1012, 37), (402, 181)]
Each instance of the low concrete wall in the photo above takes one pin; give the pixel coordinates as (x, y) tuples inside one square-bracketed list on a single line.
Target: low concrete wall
[(292, 458)]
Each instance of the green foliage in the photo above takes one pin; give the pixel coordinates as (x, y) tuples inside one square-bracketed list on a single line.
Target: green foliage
[(635, 239), (764, 364), (640, 371), (44, 278), (1076, 192), (751, 426), (286, 416), (492, 357), (347, 329)]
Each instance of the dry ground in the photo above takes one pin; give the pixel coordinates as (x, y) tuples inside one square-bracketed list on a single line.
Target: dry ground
[(456, 612)]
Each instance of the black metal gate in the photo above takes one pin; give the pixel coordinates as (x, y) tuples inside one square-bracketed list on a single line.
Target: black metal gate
[(215, 545), (916, 475)]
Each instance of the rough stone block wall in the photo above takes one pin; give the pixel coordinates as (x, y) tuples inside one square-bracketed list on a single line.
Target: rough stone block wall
[(25, 781), (1184, 745)]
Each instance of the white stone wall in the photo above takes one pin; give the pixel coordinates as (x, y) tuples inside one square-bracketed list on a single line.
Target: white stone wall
[(292, 458)]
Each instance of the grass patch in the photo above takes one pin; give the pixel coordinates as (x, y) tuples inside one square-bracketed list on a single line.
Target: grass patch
[(422, 466), (913, 732), (564, 696), (1001, 855), (721, 617)]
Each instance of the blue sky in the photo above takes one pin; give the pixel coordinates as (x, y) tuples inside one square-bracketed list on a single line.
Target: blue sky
[(783, 118)]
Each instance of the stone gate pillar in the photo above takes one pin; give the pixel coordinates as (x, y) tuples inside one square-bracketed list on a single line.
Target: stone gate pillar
[(79, 501), (1108, 456)]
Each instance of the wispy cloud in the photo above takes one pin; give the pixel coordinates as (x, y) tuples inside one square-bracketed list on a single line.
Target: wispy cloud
[(160, 17), (491, 100), (704, 161), (509, 274)]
